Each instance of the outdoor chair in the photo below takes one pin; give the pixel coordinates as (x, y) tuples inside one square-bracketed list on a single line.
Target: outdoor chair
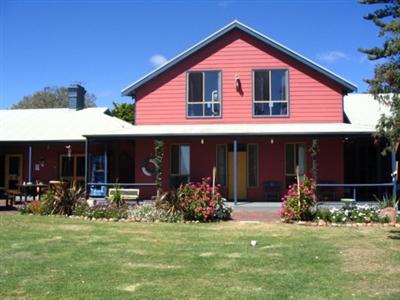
[(272, 190)]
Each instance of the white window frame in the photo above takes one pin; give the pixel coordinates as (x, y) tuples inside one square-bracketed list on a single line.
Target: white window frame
[(270, 102), (204, 103)]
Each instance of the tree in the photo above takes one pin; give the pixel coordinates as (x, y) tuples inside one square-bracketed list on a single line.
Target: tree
[(385, 86), (51, 97), (124, 111)]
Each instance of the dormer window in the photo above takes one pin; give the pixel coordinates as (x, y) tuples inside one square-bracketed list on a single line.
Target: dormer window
[(270, 93), (204, 94)]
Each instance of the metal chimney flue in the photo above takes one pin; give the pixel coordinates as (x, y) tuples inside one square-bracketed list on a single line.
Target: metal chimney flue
[(76, 97)]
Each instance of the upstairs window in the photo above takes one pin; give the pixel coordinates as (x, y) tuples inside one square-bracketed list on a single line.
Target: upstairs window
[(270, 93), (204, 94)]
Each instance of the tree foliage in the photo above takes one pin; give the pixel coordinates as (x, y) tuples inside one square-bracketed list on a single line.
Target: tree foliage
[(385, 86), (51, 97), (124, 111)]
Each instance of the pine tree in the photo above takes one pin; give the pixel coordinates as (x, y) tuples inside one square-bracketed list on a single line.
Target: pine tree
[(385, 86)]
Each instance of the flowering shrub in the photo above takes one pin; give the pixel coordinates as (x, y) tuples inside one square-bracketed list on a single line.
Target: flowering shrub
[(31, 208), (199, 202), (358, 214), (102, 212), (150, 213), (299, 203)]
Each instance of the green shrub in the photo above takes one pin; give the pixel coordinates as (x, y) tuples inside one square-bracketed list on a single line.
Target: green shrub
[(62, 200), (299, 203), (169, 202), (387, 201), (116, 197), (201, 202)]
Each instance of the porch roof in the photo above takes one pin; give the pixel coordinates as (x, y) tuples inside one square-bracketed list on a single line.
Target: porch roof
[(238, 129), (56, 124)]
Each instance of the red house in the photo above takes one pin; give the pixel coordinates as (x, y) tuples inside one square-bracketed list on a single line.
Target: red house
[(238, 101), (253, 108)]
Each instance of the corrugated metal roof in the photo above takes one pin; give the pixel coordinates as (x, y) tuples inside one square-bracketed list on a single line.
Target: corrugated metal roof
[(130, 90), (363, 109), (60, 124), (239, 129), (63, 124)]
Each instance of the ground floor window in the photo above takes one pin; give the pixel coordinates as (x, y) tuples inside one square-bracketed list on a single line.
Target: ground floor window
[(252, 165), (180, 164), (222, 164), (72, 168), (295, 155)]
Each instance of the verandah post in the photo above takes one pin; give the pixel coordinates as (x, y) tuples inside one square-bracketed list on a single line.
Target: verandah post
[(394, 172), (30, 163), (158, 157), (86, 164), (235, 173)]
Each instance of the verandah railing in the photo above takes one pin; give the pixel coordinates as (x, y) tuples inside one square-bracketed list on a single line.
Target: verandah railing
[(353, 187)]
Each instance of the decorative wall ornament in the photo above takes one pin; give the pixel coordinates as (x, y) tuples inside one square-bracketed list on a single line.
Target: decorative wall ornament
[(149, 166)]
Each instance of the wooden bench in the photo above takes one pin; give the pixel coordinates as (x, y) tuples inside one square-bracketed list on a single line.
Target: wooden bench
[(126, 194)]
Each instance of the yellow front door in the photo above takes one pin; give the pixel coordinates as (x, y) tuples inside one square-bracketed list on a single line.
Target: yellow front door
[(242, 175)]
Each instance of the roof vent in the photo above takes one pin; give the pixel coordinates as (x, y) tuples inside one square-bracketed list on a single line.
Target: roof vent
[(76, 97)]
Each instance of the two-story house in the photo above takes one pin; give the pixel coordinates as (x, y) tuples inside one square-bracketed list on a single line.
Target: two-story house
[(252, 108)]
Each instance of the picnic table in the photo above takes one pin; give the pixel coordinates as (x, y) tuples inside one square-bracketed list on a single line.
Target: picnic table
[(27, 188)]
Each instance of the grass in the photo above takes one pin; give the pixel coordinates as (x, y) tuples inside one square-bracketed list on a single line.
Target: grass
[(57, 258)]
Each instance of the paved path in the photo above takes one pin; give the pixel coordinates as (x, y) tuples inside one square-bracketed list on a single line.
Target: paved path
[(267, 212)]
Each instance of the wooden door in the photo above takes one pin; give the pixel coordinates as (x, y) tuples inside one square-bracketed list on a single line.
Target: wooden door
[(242, 174), (13, 171)]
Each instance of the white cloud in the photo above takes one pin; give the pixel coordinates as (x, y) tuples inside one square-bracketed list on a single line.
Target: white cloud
[(158, 60), (332, 56)]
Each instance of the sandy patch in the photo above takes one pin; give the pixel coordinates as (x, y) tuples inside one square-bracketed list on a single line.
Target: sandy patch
[(245, 289), (233, 255), (130, 288), (154, 266), (74, 227), (206, 254)]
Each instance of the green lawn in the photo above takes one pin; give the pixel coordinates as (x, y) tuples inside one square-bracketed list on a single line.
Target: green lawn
[(51, 257)]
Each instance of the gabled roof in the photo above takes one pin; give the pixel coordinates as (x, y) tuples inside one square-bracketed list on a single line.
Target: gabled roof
[(56, 124), (130, 90)]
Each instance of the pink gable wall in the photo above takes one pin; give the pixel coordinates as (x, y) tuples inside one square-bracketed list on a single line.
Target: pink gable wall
[(313, 97)]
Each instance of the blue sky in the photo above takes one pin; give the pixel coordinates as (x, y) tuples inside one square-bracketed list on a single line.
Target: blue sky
[(108, 44)]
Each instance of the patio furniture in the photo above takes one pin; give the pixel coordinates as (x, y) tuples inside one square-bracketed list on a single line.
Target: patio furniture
[(12, 196), (126, 194), (272, 190), (5, 196), (348, 202), (32, 189)]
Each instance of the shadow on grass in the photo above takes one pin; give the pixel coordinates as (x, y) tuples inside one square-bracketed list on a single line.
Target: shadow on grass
[(394, 234)]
